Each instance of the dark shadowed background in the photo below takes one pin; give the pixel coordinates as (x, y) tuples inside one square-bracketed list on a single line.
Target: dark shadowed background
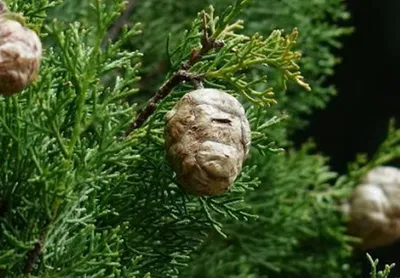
[(367, 80)]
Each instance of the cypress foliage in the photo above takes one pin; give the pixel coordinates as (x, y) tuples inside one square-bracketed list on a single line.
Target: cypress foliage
[(85, 189)]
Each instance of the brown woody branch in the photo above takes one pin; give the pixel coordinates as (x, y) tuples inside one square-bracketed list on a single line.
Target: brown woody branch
[(161, 93), (34, 254), (207, 44)]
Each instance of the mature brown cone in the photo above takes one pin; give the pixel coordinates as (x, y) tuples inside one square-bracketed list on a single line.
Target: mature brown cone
[(374, 209), (20, 53), (207, 137)]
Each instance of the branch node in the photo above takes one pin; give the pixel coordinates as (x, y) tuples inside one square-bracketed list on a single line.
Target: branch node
[(181, 75)]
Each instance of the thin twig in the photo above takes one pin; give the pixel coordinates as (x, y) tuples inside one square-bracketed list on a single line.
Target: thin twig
[(179, 76), (207, 44), (161, 93), (115, 29), (34, 254)]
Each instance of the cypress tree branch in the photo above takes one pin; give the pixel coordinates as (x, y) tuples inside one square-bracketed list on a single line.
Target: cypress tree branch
[(161, 93), (115, 29), (182, 74), (34, 254), (207, 44)]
